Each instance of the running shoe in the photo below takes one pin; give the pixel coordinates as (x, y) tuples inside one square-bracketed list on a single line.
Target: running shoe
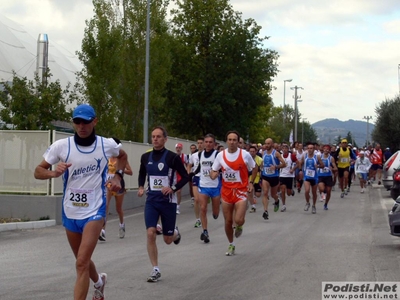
[(99, 292), (379, 183), (369, 182), (215, 217), (192, 201), (314, 210), (154, 276), (265, 215), (197, 224), (333, 188), (362, 191), (348, 189), (231, 250), (122, 231), (238, 231), (276, 206), (178, 236), (283, 208), (293, 193), (178, 212), (307, 207), (325, 206), (342, 195), (158, 229), (102, 236), (345, 191), (252, 210), (321, 198), (298, 190), (205, 237)]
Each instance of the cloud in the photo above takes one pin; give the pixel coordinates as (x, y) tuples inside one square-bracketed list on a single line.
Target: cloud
[(352, 76), (63, 21), (343, 52), (392, 27)]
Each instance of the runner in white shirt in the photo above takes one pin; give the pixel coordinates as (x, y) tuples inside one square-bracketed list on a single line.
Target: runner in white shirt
[(300, 154), (361, 167), (82, 162), (193, 150), (185, 159), (191, 166), (286, 174), (208, 188)]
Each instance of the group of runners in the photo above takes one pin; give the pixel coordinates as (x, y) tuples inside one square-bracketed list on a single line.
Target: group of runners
[(230, 179)]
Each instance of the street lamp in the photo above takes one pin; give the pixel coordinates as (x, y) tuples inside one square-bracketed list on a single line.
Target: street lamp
[(367, 118), (296, 99), (284, 91), (302, 131)]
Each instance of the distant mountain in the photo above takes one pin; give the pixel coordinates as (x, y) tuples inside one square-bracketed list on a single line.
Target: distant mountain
[(329, 129)]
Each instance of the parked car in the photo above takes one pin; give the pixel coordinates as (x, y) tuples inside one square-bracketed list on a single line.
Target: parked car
[(388, 170), (394, 218)]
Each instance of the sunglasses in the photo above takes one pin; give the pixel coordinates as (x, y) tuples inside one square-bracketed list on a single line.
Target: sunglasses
[(79, 121)]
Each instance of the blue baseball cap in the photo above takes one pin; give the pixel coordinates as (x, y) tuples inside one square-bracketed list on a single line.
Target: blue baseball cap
[(84, 111)]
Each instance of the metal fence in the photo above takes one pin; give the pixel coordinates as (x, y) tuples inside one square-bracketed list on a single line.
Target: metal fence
[(22, 151)]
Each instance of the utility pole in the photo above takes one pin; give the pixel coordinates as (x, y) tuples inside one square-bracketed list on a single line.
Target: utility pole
[(146, 78), (367, 118), (296, 99)]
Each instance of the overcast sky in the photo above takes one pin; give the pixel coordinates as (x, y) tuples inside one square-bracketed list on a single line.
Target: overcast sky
[(344, 53)]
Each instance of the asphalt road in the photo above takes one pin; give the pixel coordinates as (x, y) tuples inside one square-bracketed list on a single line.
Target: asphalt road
[(286, 257)]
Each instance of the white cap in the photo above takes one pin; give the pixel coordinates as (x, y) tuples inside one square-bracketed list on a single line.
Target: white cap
[(362, 152)]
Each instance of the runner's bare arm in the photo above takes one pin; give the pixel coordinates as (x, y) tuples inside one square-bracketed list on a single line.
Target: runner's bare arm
[(43, 171)]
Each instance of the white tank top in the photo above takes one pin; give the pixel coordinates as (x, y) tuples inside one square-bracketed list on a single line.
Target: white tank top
[(84, 190), (300, 156), (205, 170), (285, 172)]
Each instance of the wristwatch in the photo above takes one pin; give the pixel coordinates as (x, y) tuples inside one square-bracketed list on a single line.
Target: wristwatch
[(173, 188), (120, 173)]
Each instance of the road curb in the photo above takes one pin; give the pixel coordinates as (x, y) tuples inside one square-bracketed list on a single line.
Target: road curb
[(26, 225)]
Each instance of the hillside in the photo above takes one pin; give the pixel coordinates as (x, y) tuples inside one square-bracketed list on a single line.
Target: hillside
[(329, 129)]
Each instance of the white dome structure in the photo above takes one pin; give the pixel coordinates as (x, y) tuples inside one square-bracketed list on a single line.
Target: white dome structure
[(18, 52)]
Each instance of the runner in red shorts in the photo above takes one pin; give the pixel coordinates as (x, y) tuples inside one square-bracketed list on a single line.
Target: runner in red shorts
[(235, 164)]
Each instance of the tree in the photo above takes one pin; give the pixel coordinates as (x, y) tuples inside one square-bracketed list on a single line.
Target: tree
[(308, 133), (33, 104), (273, 124), (387, 125), (221, 75), (113, 55)]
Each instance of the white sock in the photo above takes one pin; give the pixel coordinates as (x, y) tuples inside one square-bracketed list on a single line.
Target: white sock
[(122, 225), (99, 282), (253, 205), (156, 268), (178, 207)]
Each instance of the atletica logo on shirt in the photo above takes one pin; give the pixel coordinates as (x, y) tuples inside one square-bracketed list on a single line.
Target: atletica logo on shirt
[(88, 170)]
